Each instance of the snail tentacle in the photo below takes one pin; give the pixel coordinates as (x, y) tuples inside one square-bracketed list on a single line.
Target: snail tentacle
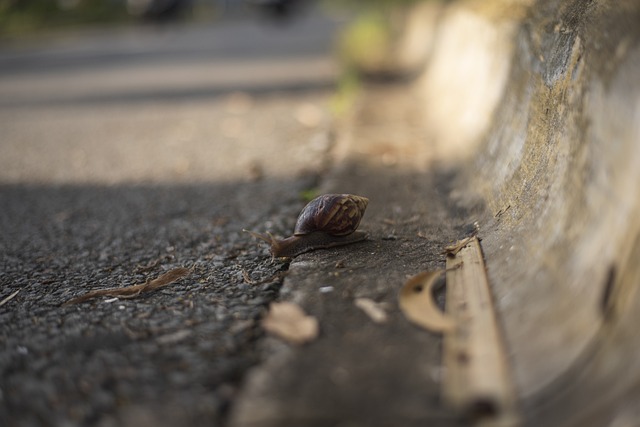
[(278, 246), (265, 237)]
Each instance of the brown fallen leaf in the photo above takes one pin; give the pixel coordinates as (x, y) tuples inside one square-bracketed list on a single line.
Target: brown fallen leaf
[(418, 306), (133, 291), (288, 321), (372, 309), (457, 246)]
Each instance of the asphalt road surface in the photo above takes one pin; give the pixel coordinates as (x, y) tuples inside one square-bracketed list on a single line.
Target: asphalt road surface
[(125, 154)]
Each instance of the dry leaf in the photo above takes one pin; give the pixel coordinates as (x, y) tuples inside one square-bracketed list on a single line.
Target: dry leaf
[(372, 309), (289, 322), (418, 306), (457, 246), (309, 115), (134, 290)]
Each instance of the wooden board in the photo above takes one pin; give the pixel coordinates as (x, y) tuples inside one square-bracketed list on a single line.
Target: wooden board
[(477, 377)]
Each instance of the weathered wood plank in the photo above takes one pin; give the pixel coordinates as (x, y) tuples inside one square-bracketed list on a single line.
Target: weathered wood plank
[(477, 378)]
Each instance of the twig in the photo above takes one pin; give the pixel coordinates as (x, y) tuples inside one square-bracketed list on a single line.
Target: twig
[(248, 278), (453, 249), (135, 290), (9, 298)]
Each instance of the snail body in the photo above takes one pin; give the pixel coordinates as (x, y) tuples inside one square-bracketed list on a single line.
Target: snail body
[(326, 221)]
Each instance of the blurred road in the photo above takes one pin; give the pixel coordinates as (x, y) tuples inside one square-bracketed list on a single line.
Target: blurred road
[(168, 63), (125, 154), (176, 95)]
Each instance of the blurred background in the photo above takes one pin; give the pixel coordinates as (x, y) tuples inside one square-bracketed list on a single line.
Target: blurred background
[(22, 17), (135, 90), (129, 90)]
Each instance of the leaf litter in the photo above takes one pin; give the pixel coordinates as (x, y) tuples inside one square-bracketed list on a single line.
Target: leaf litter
[(374, 310), (417, 303), (129, 292), (289, 322)]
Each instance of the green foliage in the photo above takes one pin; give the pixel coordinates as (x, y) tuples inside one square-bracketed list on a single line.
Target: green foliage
[(309, 194), (365, 43), (363, 46), (347, 92)]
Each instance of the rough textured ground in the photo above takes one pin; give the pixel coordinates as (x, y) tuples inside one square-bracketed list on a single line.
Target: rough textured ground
[(359, 372), (172, 357), (552, 101), (123, 156)]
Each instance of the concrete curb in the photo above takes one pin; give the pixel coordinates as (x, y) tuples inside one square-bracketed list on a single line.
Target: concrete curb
[(358, 371), (538, 104)]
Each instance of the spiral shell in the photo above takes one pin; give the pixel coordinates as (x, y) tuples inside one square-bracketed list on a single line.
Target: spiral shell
[(335, 214)]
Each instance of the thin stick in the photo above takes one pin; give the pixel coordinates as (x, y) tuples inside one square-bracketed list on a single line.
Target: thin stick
[(9, 298), (135, 290)]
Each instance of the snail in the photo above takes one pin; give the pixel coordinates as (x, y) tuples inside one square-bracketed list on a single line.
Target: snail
[(326, 221)]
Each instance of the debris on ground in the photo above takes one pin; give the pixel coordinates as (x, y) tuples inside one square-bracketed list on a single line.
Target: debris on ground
[(133, 291), (418, 306), (454, 248), (372, 309), (288, 321)]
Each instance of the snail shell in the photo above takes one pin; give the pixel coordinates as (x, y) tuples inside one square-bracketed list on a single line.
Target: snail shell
[(326, 221), (335, 214)]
